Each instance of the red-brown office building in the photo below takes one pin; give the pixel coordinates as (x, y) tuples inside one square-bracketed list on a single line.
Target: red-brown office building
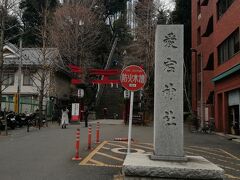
[(216, 63)]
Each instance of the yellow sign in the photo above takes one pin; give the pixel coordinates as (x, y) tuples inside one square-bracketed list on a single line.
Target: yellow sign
[(16, 104)]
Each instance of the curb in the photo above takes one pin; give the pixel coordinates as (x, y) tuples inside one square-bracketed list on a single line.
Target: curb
[(229, 137)]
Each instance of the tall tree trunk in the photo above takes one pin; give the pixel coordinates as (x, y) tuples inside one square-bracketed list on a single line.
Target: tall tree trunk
[(44, 63), (41, 96), (3, 18), (4, 14)]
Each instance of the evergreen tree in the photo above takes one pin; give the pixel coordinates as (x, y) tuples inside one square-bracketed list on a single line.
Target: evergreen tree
[(182, 15), (32, 19), (114, 6), (12, 29)]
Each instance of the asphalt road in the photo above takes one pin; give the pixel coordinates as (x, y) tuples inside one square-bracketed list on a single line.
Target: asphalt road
[(47, 154)]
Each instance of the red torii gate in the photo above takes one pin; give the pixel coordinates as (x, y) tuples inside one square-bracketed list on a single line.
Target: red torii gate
[(105, 73), (105, 80)]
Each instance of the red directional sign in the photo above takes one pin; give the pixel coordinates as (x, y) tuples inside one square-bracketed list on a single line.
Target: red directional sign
[(133, 78)]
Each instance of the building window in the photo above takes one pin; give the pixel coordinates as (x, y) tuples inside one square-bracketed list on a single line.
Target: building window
[(4, 99), (210, 63), (27, 80), (209, 29), (229, 47), (222, 7), (8, 79), (26, 99), (199, 36)]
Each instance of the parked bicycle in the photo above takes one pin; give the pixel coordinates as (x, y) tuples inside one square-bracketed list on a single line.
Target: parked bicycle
[(209, 126), (33, 120)]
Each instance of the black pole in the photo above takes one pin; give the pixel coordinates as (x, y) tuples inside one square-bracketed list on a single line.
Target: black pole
[(86, 117), (6, 125)]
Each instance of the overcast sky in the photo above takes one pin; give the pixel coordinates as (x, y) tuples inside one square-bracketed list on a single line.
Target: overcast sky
[(168, 4)]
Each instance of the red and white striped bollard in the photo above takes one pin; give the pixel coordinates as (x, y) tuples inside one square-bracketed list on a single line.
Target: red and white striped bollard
[(89, 137), (77, 145)]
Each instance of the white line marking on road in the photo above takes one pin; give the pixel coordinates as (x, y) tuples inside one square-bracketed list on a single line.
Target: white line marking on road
[(137, 145), (105, 148), (208, 152), (109, 156), (205, 148), (231, 155), (112, 144)]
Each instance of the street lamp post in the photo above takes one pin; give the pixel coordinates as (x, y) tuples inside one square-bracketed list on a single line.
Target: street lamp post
[(19, 77)]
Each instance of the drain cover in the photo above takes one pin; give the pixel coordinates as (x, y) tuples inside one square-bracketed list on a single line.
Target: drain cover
[(124, 151)]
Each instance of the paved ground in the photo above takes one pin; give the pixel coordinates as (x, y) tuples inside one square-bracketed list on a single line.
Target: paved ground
[(46, 154)]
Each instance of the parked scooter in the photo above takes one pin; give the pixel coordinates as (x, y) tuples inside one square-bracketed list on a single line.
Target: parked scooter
[(11, 121), (21, 119)]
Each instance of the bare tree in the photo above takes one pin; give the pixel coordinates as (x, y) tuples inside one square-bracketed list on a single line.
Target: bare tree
[(46, 60), (40, 65), (141, 50), (43, 58), (76, 33), (5, 7)]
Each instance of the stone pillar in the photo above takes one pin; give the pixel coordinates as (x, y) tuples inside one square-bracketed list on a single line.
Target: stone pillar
[(168, 95), (168, 160)]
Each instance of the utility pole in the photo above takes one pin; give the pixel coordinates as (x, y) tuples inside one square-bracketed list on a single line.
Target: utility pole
[(19, 77), (201, 101)]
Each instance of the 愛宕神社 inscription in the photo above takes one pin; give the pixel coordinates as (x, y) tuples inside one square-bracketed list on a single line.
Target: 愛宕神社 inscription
[(170, 65), (169, 118), (169, 91), (170, 40)]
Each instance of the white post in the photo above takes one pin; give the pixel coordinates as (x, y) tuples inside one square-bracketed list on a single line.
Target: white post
[(130, 122)]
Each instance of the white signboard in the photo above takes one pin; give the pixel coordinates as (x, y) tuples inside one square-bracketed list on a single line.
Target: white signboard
[(75, 111)]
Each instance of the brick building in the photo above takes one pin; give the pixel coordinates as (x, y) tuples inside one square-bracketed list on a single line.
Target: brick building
[(216, 63)]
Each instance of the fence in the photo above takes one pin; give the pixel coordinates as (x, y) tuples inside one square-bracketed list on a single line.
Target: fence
[(25, 107)]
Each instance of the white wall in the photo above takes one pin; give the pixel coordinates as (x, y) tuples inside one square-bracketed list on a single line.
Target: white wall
[(24, 89)]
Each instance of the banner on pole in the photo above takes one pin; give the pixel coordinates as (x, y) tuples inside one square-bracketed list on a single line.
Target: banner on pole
[(75, 111)]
